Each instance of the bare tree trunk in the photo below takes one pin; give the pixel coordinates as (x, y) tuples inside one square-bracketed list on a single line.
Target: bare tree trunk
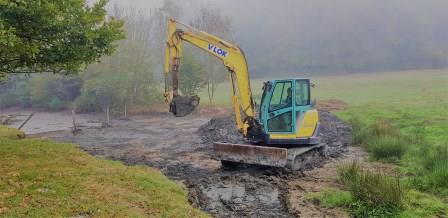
[(107, 116), (125, 110), (210, 83), (75, 128)]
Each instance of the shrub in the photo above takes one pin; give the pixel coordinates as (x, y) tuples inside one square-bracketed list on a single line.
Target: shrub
[(8, 100), (53, 91), (15, 91), (56, 104), (387, 148), (87, 102)]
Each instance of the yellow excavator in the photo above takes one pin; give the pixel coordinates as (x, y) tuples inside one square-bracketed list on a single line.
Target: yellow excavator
[(283, 134)]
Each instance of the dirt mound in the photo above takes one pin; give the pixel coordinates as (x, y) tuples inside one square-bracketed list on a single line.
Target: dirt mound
[(335, 133), (220, 129)]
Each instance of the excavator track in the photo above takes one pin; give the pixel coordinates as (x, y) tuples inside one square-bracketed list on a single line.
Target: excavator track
[(292, 159)]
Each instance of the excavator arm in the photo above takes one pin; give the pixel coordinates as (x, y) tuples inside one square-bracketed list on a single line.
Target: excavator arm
[(229, 54)]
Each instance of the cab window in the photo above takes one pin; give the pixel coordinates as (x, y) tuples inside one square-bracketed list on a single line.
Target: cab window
[(302, 92), (281, 96), (281, 123)]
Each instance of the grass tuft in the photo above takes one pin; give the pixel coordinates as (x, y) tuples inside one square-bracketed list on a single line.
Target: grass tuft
[(387, 148), (383, 127), (373, 193), (349, 173), (360, 132), (433, 175), (382, 139)]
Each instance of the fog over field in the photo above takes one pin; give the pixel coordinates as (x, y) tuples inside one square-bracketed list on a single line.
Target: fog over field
[(331, 36)]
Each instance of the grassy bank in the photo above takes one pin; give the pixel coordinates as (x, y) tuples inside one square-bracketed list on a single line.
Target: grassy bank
[(41, 178)]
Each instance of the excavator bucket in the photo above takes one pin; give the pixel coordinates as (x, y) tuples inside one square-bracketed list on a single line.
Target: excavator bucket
[(181, 106), (289, 158)]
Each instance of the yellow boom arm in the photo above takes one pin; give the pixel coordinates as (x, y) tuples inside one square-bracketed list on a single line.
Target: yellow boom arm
[(230, 55)]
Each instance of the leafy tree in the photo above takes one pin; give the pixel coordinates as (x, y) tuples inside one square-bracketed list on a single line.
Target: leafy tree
[(54, 35), (193, 76)]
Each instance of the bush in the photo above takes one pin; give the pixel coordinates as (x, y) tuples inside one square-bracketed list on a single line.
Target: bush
[(56, 104), (8, 100), (87, 102), (15, 92), (373, 193), (53, 91), (389, 148)]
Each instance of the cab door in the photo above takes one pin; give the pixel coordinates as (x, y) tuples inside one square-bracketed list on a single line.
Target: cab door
[(280, 116)]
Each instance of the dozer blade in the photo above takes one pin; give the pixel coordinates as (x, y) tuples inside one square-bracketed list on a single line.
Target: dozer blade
[(183, 105), (294, 158), (251, 154)]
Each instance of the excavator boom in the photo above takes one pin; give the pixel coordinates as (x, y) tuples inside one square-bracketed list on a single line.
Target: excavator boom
[(231, 56)]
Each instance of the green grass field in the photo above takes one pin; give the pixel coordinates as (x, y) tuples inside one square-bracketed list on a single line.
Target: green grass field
[(41, 178)]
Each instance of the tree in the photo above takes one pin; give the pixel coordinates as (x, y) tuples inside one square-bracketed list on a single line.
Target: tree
[(54, 35), (193, 77), (125, 78), (211, 20)]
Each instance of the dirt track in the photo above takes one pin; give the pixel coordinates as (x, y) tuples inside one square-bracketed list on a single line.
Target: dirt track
[(174, 146)]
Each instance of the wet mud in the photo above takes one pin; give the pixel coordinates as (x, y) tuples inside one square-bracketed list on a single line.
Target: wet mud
[(181, 148)]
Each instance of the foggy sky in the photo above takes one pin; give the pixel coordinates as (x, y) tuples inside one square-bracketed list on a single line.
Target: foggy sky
[(345, 35)]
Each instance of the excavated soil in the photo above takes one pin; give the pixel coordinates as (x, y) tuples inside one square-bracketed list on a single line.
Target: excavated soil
[(181, 148)]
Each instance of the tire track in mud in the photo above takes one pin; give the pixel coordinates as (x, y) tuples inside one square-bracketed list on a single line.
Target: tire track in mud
[(181, 149)]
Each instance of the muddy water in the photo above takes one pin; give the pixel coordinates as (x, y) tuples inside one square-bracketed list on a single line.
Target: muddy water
[(174, 146), (43, 121)]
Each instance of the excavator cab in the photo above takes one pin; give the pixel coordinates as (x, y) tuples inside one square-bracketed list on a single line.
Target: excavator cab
[(287, 114), (290, 126)]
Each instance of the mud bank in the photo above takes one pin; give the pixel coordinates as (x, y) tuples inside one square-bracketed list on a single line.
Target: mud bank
[(181, 148)]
